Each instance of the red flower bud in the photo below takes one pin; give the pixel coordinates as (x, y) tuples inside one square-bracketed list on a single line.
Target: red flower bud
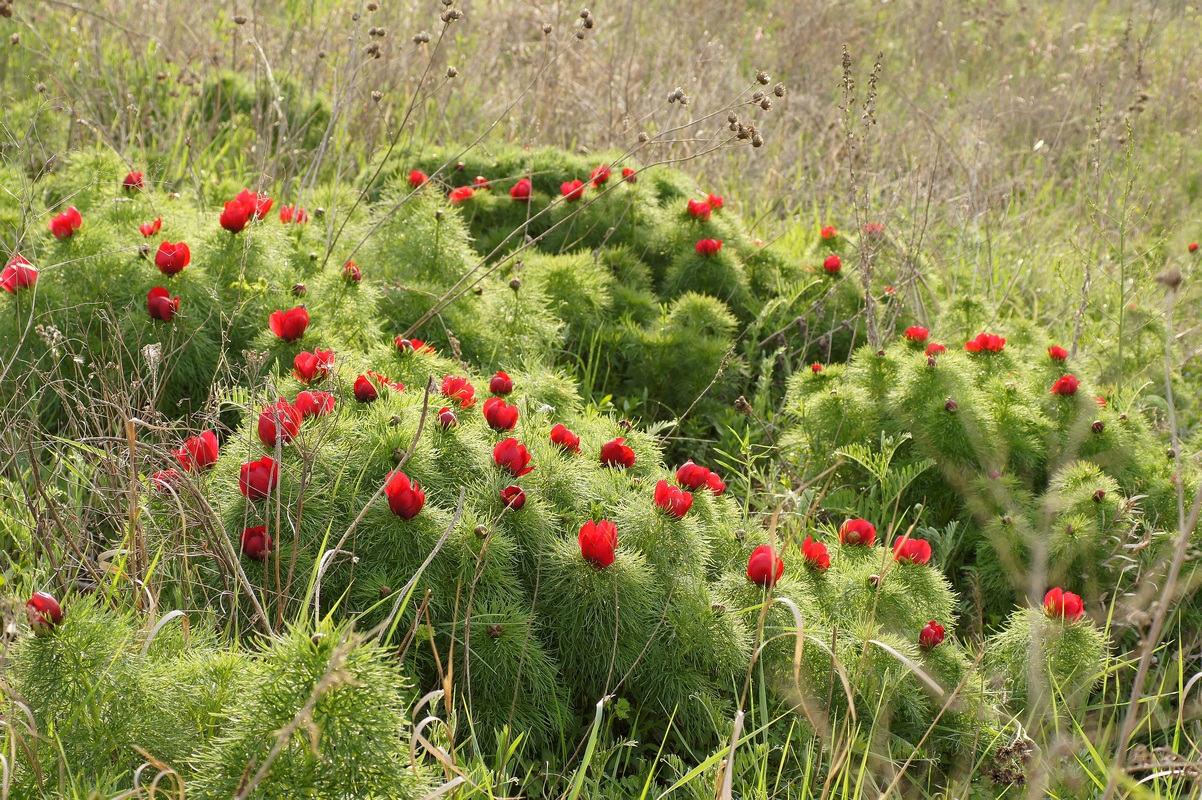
[(513, 497), (912, 551), (934, 349), (1098, 426), (481, 183), (172, 258), (630, 175), (598, 540), (314, 404), (149, 229), (133, 180), (511, 455), (459, 390), (499, 416), (616, 453), (64, 225), (447, 418), (417, 178), (715, 201), (673, 501), (699, 209), (500, 384), (459, 194), (708, 247), (764, 566), (198, 452), (833, 264), (255, 205), (280, 422), (815, 555), (407, 346), (931, 635), (43, 613), (857, 532), (350, 270), (692, 475), (1066, 605), (234, 217), (405, 496), (1057, 353), (256, 543), (165, 480), (916, 335), (365, 390), (599, 175), (828, 232), (521, 190), (985, 343), (289, 325), (572, 190), (18, 274), (1193, 247), (563, 437), (1065, 385), (315, 366), (258, 478), (161, 304)]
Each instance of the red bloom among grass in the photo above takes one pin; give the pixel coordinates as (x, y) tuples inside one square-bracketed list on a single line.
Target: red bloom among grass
[(873, 229), (699, 209), (828, 232), (599, 176), (715, 201), (934, 349), (256, 205), (149, 229), (521, 190), (630, 175), (293, 214), (513, 497), (616, 453), (816, 368), (405, 496), (256, 543), (671, 500), (64, 225), (565, 439), (694, 476), (572, 190), (407, 346), (458, 389), (499, 416), (1057, 353), (833, 264), (985, 343), (418, 178), (481, 183), (43, 613), (815, 554), (458, 195), (912, 551), (1065, 385), (708, 247), (279, 423), (1062, 604), (234, 217), (18, 274), (1193, 247), (132, 181), (512, 456), (314, 404), (384, 380), (165, 480), (172, 258), (365, 391), (501, 383), (161, 304), (917, 335), (447, 418), (308, 367), (858, 533), (764, 566), (198, 452), (598, 541), (257, 478), (931, 635), (289, 325), (351, 271)]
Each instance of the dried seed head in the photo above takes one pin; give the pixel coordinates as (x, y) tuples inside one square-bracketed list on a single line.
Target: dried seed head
[(421, 38), (580, 33), (239, 20), (515, 284), (15, 39), (585, 13), (644, 137), (452, 72), (588, 23), (766, 104), (355, 16), (160, 77), (377, 95), (742, 406), (757, 140), (757, 97), (40, 88), (763, 78), (451, 14), (779, 90), (547, 29), (321, 53), (1171, 279), (372, 6)]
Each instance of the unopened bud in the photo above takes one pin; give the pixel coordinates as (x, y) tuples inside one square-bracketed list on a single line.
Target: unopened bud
[(299, 290), (1098, 426), (481, 531), (385, 591), (515, 284), (931, 361), (144, 251), (950, 406), (874, 580), (494, 631), (1099, 495), (239, 20)]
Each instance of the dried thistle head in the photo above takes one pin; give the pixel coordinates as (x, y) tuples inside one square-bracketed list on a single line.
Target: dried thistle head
[(1171, 278)]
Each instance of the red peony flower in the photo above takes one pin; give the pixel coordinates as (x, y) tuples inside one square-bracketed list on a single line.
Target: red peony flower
[(708, 247), (931, 635), (314, 404), (350, 271), (64, 225), (572, 190), (699, 209), (43, 613), (873, 229), (673, 501), (412, 346), (521, 190), (149, 229), (816, 368), (481, 183), (1065, 385), (417, 178), (165, 480), (315, 366), (161, 304), (815, 555), (1193, 247), (235, 217), (365, 390), (460, 194), (280, 422), (258, 478), (172, 258), (18, 274), (917, 335), (500, 417), (1066, 605), (513, 497), (293, 214), (934, 349), (985, 343), (598, 540), (599, 175), (616, 453), (764, 566), (828, 232), (832, 264), (859, 532), (405, 496), (500, 384), (568, 441), (198, 452), (715, 484), (912, 551), (256, 543), (256, 205), (133, 180), (459, 390), (630, 175), (1057, 353), (447, 418), (1101, 401), (511, 455), (289, 325), (715, 201), (692, 475)]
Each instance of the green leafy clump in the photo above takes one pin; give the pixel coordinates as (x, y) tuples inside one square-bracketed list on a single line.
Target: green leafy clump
[(1019, 472), (1040, 660)]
